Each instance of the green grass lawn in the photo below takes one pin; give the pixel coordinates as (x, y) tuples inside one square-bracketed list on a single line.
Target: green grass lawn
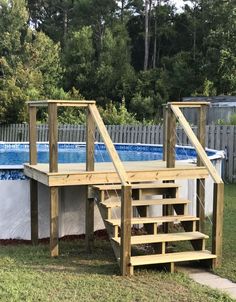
[(28, 273), (228, 269)]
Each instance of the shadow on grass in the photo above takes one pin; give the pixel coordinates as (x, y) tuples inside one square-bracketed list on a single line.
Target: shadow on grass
[(73, 258)]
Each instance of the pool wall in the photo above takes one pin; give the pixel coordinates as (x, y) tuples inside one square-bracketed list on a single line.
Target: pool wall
[(15, 204)]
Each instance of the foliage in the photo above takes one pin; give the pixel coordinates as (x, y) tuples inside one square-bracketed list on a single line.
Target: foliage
[(97, 47), (232, 119), (117, 115)]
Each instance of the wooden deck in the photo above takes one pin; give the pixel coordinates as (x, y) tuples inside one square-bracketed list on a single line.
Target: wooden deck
[(76, 174), (131, 179)]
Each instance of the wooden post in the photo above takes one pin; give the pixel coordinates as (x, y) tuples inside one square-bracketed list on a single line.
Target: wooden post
[(33, 183), (89, 227), (201, 182), (32, 136), (53, 137), (217, 231), (34, 210), (54, 221), (126, 269), (53, 167), (165, 127), (171, 138)]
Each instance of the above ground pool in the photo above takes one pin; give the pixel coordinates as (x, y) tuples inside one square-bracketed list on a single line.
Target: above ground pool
[(18, 153), (15, 187)]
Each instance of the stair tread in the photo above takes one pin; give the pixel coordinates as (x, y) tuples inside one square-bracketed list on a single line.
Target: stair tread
[(116, 202), (137, 186), (159, 219), (171, 237), (171, 257)]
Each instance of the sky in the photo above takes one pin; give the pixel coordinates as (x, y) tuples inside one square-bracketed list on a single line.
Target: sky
[(179, 3)]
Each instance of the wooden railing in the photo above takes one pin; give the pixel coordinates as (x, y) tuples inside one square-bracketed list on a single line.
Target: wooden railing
[(173, 112), (93, 118)]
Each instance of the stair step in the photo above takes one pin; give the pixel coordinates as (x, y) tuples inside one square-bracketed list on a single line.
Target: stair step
[(145, 239), (171, 257), (159, 220), (116, 202), (137, 186)]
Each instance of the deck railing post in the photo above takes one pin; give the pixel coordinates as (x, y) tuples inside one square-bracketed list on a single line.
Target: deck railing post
[(170, 141), (201, 182), (217, 231), (89, 226), (165, 126), (53, 167), (33, 183), (53, 137), (171, 138), (126, 269)]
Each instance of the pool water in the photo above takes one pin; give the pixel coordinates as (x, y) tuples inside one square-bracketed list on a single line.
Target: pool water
[(18, 154)]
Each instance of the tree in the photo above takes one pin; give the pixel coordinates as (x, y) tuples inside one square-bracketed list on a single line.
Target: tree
[(79, 60), (30, 62)]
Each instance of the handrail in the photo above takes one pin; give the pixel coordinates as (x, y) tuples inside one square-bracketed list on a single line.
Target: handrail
[(194, 140), (109, 145), (60, 103)]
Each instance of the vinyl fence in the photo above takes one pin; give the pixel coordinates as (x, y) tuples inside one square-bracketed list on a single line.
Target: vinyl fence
[(217, 137)]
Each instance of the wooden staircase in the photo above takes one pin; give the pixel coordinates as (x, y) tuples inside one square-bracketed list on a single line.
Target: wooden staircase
[(158, 232)]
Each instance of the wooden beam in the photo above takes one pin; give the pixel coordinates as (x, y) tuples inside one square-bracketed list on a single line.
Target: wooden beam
[(32, 136), (54, 226), (165, 127), (126, 208), (171, 138), (53, 137), (34, 173), (200, 151), (34, 211), (189, 104), (64, 103), (109, 145), (217, 231), (89, 216), (201, 182), (100, 177)]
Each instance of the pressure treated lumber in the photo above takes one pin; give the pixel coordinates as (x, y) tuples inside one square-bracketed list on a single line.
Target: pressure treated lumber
[(189, 104), (200, 151), (89, 209), (137, 186), (32, 136), (68, 177), (116, 202), (64, 103), (170, 138), (54, 224), (125, 230), (200, 205), (53, 137), (217, 228), (171, 237), (171, 257), (159, 220), (34, 211), (109, 145)]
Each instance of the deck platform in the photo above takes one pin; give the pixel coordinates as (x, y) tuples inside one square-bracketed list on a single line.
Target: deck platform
[(104, 173)]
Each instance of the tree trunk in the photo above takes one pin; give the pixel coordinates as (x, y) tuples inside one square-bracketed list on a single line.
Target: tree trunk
[(65, 25), (146, 44), (155, 41), (122, 10)]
